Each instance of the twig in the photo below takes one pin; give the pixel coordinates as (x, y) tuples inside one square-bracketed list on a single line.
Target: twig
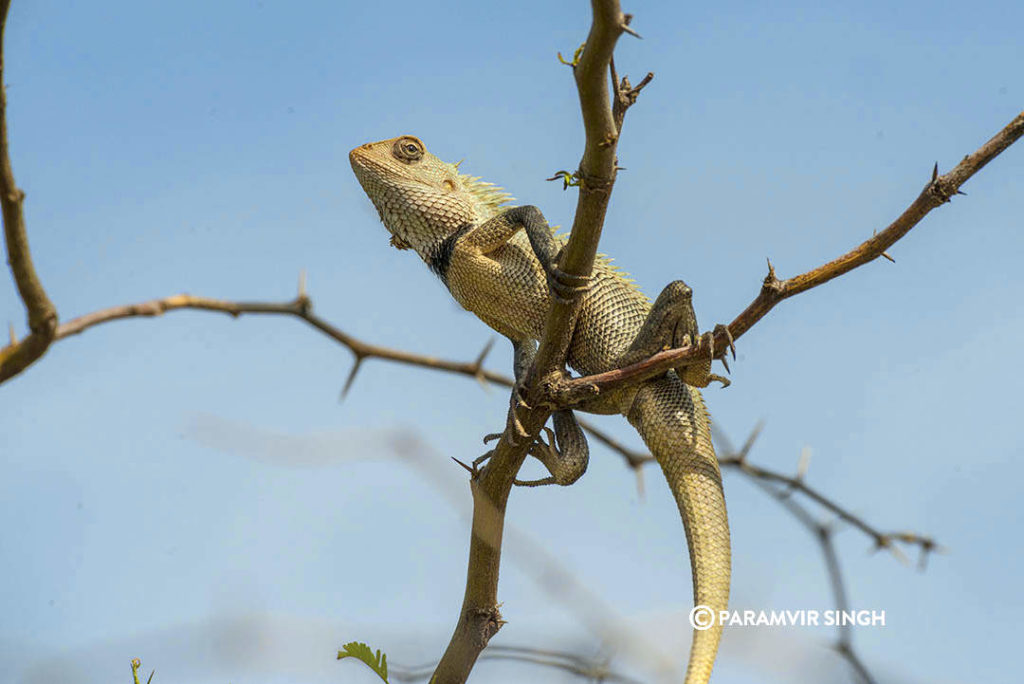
[(300, 307), (882, 540)]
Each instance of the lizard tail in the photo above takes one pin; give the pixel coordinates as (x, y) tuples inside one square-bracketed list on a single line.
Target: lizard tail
[(672, 419)]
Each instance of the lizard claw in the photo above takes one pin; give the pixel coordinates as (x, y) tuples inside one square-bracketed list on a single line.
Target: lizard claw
[(482, 459), (724, 329), (725, 381), (546, 446), (517, 398), (708, 339)]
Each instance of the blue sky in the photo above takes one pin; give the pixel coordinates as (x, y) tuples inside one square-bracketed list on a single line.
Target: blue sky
[(190, 491)]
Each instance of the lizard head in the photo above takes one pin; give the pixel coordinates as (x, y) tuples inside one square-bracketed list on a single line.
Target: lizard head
[(421, 199)]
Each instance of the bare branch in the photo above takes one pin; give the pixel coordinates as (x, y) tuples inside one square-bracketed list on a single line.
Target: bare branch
[(596, 176), (479, 619), (882, 540), (42, 315), (300, 307), (939, 190)]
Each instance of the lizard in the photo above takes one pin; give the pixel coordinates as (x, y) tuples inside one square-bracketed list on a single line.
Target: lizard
[(501, 263)]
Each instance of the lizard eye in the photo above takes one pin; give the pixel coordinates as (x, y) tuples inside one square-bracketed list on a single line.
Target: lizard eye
[(408, 149)]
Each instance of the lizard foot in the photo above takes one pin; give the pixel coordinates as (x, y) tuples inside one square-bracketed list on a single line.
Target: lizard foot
[(699, 374), (546, 452), (566, 287)]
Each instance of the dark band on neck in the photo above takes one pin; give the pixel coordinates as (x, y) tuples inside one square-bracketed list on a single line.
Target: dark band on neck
[(440, 257)]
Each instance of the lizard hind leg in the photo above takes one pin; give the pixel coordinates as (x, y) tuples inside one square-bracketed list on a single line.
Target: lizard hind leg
[(565, 454), (672, 323)]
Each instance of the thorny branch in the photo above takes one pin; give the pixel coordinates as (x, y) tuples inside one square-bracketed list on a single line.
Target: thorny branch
[(938, 191), (786, 485), (479, 618), (301, 307)]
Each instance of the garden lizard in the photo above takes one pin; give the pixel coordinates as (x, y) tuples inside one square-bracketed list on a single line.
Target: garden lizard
[(500, 262)]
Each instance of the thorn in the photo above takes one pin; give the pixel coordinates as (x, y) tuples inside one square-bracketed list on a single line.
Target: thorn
[(771, 271), (478, 367), (627, 19), (898, 554), (10, 330), (351, 378), (935, 172), (468, 469), (483, 381), (483, 354), (922, 560), (960, 192), (886, 255), (302, 284), (749, 444), (805, 462)]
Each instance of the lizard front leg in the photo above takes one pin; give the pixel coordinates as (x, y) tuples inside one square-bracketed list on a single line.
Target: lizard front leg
[(670, 324), (547, 250)]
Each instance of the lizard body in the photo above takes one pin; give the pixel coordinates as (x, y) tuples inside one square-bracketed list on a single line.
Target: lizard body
[(496, 260)]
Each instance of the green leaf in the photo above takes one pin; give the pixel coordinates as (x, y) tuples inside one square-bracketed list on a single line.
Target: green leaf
[(377, 662)]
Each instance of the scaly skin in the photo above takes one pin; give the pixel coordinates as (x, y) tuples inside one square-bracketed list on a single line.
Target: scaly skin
[(495, 261)]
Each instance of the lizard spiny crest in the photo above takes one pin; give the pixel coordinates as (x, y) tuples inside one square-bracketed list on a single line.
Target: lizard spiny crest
[(421, 199)]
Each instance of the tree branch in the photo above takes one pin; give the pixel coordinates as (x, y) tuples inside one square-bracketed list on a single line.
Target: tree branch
[(42, 315), (301, 307), (596, 176), (479, 618), (938, 191)]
